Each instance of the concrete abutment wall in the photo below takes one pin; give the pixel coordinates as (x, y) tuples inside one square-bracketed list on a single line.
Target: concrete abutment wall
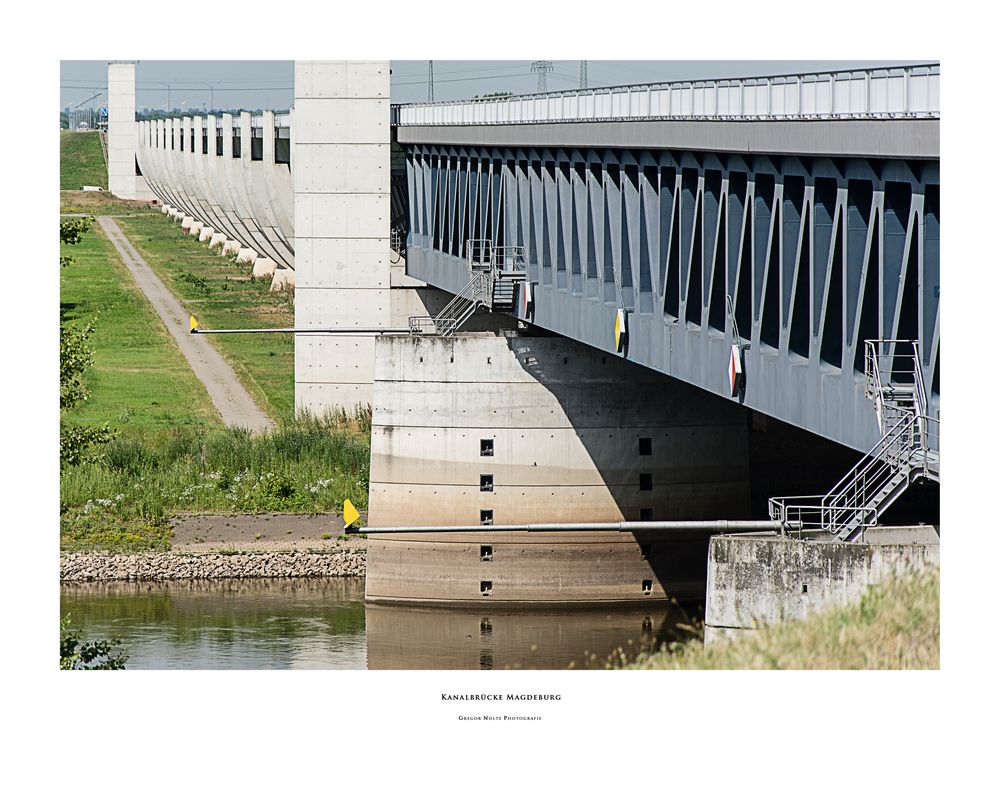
[(763, 580)]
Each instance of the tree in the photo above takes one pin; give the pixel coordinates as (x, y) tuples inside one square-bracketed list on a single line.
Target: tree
[(74, 357), (99, 654), (71, 231)]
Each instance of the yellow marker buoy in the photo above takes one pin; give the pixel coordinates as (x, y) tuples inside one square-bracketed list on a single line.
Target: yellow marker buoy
[(351, 514), (194, 324)]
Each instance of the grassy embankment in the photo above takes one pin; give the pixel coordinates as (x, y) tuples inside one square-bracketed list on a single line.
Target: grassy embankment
[(895, 625), (171, 452), (81, 160)]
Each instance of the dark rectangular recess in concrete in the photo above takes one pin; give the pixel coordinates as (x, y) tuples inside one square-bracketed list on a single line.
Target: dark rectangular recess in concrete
[(486, 516), (645, 515), (486, 588), (645, 446), (647, 586), (486, 483), (645, 481), (486, 552), (486, 447)]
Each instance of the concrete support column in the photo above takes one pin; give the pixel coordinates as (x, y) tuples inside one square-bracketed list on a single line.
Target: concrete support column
[(121, 129), (340, 166), (123, 134)]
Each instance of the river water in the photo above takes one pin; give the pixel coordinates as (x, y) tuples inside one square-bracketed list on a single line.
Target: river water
[(324, 624)]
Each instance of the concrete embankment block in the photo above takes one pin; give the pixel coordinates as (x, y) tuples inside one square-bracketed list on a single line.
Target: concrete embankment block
[(246, 256), (205, 234), (264, 268), (231, 247), (218, 239), (763, 580), (282, 279)]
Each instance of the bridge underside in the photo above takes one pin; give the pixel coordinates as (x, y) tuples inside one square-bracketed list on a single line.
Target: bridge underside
[(806, 257)]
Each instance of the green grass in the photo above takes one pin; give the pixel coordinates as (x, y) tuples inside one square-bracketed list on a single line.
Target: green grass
[(122, 502), (81, 160), (895, 625), (139, 380), (221, 294), (172, 453)]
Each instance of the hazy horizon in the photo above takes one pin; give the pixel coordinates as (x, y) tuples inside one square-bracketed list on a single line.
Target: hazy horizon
[(250, 85)]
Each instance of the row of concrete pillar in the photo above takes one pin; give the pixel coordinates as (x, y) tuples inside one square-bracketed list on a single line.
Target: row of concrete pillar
[(263, 267), (245, 205)]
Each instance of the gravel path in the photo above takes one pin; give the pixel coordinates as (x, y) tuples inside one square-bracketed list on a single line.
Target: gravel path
[(227, 393)]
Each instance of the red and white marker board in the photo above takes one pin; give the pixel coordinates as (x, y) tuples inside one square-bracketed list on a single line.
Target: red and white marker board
[(735, 370)]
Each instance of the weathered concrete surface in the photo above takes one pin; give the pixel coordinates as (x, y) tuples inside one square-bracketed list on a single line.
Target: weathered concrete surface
[(532, 569), (233, 401), (571, 436), (762, 580)]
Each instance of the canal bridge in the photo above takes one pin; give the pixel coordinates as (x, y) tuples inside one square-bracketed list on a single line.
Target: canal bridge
[(660, 259)]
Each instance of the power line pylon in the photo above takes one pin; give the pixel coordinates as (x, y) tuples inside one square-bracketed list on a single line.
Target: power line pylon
[(543, 68)]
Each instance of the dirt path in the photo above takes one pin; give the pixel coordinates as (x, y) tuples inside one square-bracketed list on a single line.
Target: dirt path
[(211, 533), (227, 393)]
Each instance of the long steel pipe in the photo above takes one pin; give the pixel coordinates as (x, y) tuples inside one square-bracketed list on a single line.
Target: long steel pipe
[(716, 526), (344, 331)]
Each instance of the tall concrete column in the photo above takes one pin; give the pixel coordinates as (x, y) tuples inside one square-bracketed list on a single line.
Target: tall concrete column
[(123, 134), (121, 129), (340, 174)]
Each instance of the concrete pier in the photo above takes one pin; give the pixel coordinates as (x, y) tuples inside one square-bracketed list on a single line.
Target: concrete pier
[(495, 428)]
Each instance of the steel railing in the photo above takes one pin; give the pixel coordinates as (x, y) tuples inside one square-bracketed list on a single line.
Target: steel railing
[(877, 93), (457, 312)]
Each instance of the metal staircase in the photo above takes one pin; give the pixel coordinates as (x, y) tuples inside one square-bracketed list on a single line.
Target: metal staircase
[(908, 450), (493, 274)]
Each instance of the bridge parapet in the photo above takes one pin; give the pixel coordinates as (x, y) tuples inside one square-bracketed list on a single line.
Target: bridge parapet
[(910, 91)]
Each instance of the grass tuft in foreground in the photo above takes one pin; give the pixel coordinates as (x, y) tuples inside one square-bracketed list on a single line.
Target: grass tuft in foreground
[(123, 501), (895, 625)]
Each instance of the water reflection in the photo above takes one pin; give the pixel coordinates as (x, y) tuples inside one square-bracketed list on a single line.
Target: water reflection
[(412, 638), (227, 624), (324, 624)]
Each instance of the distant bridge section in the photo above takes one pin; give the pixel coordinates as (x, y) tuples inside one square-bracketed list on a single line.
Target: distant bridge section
[(792, 216)]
